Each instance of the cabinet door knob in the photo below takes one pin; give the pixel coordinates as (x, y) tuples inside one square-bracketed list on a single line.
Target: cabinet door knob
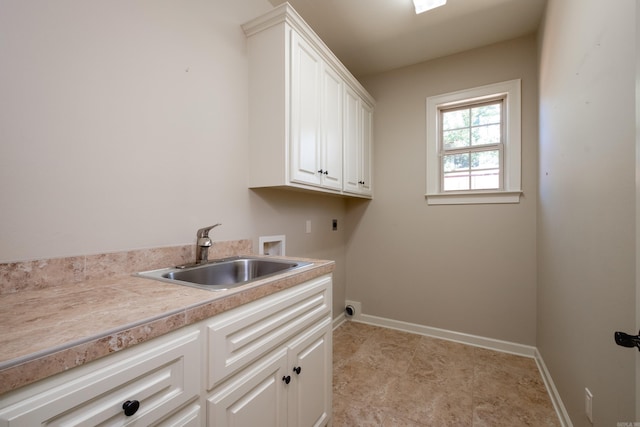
[(320, 171), (297, 370), (286, 379), (326, 172), (130, 407)]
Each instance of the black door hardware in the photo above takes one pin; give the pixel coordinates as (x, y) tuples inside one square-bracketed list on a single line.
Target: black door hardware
[(626, 340), (130, 407)]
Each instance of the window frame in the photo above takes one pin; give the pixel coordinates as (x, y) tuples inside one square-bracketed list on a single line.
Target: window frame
[(510, 191)]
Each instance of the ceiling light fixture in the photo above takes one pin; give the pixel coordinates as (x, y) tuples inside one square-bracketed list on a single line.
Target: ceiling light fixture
[(424, 5)]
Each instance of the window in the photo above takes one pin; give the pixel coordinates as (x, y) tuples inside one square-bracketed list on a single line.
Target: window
[(473, 145)]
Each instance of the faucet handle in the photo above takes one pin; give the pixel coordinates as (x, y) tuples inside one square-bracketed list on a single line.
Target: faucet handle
[(204, 232)]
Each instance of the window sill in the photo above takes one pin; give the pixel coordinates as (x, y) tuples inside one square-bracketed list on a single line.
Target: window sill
[(474, 197)]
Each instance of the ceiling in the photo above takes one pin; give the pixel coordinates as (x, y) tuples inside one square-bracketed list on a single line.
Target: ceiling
[(372, 36)]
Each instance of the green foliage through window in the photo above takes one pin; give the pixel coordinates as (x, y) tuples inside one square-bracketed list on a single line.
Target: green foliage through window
[(471, 139)]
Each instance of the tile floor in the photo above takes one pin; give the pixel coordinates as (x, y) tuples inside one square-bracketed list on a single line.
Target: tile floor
[(383, 377)]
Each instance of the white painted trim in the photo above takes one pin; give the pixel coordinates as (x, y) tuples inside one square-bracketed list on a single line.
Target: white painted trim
[(512, 149), (477, 341), (339, 320), (474, 340), (474, 197), (563, 415)]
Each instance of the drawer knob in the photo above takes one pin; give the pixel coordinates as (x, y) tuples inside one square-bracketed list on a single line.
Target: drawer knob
[(297, 370), (130, 407), (287, 379)]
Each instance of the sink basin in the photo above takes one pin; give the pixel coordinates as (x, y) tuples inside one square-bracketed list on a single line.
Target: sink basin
[(224, 274)]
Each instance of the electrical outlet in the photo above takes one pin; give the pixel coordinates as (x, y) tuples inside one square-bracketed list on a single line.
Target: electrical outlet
[(588, 404), (308, 227)]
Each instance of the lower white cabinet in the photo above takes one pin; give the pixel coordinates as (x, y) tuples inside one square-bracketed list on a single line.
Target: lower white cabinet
[(289, 387), (266, 363), (270, 362), (140, 386)]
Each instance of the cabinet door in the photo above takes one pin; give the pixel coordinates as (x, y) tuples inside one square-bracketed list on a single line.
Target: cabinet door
[(366, 140), (310, 364), (358, 134), (331, 130), (351, 141), (305, 112), (257, 396)]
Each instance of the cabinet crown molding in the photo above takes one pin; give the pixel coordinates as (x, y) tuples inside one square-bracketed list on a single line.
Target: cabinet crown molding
[(285, 13)]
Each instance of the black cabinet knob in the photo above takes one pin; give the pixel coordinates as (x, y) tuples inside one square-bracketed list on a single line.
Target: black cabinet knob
[(286, 379), (320, 171), (297, 370), (130, 407), (326, 172)]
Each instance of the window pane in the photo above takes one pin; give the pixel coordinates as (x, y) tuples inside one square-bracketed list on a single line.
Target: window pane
[(456, 181), (487, 114), (485, 159), (455, 138), (485, 179), (455, 162), (487, 134), (455, 119)]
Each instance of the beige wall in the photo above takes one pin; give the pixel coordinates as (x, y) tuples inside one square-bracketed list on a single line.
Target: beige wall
[(471, 268), (123, 125), (586, 208)]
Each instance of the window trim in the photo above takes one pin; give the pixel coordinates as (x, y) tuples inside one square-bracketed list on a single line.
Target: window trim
[(511, 190)]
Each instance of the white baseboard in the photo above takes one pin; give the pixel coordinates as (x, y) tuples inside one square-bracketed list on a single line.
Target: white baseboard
[(339, 320), (489, 343), (553, 392), (474, 340)]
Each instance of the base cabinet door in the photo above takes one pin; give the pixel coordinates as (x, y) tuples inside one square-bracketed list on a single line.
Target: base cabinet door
[(310, 388), (256, 396)]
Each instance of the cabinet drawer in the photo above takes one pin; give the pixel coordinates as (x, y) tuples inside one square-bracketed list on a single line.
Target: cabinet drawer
[(162, 378), (191, 416), (242, 335)]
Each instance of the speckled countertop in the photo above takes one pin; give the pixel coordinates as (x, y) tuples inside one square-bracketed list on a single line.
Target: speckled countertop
[(47, 331)]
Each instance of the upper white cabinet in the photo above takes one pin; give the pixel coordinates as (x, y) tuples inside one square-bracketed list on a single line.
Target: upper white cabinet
[(299, 133)]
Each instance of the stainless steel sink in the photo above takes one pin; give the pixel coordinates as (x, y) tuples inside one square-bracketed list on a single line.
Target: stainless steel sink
[(223, 274)]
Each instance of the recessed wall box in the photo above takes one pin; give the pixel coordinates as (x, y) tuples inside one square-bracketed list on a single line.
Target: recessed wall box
[(272, 245)]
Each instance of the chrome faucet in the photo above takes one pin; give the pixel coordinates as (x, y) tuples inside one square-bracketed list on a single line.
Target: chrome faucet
[(204, 243)]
